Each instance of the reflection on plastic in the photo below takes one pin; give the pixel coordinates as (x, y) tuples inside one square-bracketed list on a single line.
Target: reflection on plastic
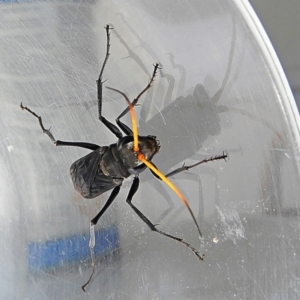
[(248, 211), (42, 256)]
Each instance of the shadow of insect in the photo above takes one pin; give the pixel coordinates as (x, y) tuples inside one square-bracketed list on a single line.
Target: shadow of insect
[(184, 124)]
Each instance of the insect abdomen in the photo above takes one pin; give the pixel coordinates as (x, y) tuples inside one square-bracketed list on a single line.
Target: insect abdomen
[(88, 178)]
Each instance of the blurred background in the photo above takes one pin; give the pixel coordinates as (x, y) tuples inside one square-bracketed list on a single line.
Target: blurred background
[(280, 21)]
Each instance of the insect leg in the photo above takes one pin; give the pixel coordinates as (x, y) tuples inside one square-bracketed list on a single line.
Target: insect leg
[(206, 160), (94, 221), (114, 129), (46, 131), (109, 201), (50, 135), (77, 144), (124, 128), (135, 101), (186, 168), (152, 227)]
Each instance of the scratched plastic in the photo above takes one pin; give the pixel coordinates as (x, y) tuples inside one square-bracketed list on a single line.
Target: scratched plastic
[(221, 88)]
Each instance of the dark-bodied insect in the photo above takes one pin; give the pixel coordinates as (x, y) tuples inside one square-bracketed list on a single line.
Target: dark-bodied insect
[(106, 167)]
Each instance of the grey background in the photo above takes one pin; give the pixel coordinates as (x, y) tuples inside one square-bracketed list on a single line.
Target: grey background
[(280, 20)]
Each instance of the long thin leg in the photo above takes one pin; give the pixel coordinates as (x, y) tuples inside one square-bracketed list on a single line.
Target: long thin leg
[(57, 142), (186, 168), (124, 127), (113, 128), (94, 221), (46, 131), (152, 227), (77, 144), (109, 201), (135, 101), (206, 160)]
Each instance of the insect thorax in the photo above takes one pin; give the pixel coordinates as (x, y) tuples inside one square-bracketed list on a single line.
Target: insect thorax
[(126, 157)]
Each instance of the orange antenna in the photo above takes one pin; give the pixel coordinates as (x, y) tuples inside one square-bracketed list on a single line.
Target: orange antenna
[(142, 158)]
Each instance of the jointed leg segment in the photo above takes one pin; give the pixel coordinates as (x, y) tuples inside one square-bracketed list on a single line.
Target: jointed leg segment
[(135, 101), (57, 142), (94, 221), (131, 193), (113, 128), (205, 160), (46, 131), (123, 126)]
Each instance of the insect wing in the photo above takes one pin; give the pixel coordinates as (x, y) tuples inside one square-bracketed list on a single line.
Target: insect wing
[(87, 177)]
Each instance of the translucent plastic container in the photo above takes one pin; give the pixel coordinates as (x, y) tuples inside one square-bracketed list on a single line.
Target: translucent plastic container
[(221, 88)]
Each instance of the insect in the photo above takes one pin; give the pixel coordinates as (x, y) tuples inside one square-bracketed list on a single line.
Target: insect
[(106, 167)]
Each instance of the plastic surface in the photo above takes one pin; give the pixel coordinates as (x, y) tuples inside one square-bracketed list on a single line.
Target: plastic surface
[(221, 88)]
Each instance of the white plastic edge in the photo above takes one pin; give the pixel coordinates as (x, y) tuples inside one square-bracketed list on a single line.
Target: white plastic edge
[(282, 86)]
